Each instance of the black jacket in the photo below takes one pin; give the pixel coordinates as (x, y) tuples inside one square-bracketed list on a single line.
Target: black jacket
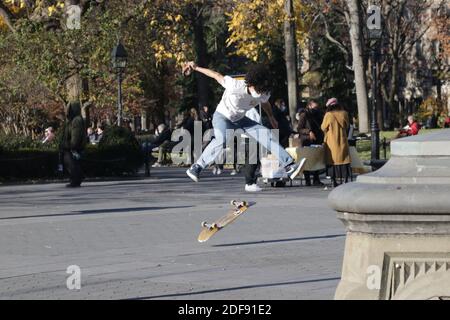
[(188, 124), (206, 118), (283, 123), (74, 138), (163, 137), (310, 120)]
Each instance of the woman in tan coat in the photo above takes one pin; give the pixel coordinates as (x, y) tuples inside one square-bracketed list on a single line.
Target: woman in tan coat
[(337, 151)]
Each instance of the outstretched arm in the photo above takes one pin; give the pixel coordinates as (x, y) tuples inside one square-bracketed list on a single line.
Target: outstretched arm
[(207, 72)]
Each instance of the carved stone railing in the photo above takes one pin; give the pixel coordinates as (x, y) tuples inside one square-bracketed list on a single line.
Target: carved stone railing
[(398, 224)]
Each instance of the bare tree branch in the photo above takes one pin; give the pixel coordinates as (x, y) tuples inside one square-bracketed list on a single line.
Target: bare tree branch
[(414, 41), (331, 38)]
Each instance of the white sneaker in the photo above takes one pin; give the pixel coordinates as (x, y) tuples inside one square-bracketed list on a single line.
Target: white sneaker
[(294, 170), (156, 165), (252, 188), (233, 173), (219, 171)]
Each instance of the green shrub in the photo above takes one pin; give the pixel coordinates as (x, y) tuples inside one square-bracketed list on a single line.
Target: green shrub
[(117, 154), (118, 136), (28, 164), (144, 138), (13, 142)]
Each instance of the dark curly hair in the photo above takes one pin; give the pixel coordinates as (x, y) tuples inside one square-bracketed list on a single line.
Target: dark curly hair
[(258, 77)]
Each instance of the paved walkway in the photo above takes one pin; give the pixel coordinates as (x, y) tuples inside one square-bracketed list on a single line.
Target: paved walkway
[(137, 239)]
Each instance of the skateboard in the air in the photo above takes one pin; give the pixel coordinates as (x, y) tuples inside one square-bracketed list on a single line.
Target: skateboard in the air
[(208, 230)]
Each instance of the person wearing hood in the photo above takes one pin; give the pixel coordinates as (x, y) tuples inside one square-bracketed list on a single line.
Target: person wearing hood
[(309, 129), (337, 151), (73, 143)]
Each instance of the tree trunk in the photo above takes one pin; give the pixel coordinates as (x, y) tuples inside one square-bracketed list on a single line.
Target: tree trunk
[(73, 86), (439, 91), (394, 85), (202, 57), (291, 58), (74, 82), (358, 65), (86, 106), (86, 113), (144, 121)]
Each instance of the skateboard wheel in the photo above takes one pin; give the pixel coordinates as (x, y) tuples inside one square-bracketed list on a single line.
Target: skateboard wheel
[(238, 204), (204, 224), (280, 184)]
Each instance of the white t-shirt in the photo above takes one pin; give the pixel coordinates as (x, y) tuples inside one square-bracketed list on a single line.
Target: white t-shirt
[(253, 114), (236, 100)]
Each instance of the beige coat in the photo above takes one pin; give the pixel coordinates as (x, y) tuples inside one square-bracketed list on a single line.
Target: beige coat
[(336, 125)]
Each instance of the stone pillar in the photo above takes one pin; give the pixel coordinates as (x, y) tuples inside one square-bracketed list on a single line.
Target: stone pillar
[(398, 224)]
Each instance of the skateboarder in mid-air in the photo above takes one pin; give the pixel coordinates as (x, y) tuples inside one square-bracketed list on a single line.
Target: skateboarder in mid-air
[(239, 97)]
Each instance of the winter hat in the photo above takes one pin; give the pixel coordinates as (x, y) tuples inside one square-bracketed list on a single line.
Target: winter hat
[(332, 102)]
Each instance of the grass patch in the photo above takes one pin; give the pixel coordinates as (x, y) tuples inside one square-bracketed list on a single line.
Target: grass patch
[(364, 147)]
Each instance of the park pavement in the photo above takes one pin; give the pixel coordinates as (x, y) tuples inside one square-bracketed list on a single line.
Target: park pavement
[(136, 239)]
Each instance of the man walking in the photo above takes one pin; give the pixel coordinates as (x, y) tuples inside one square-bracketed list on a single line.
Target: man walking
[(239, 97), (74, 141)]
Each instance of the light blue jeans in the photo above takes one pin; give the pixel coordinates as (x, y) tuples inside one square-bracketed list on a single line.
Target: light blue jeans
[(255, 130)]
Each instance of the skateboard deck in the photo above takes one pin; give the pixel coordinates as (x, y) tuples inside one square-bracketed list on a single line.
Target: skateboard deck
[(208, 230)]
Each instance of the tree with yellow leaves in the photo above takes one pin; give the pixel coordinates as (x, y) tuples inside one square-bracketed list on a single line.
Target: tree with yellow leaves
[(253, 24), (74, 64), (179, 29), (256, 25)]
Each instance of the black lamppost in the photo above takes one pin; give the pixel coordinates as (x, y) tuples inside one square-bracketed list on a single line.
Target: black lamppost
[(375, 33), (119, 61)]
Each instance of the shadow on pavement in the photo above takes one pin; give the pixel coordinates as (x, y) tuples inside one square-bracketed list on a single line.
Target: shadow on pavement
[(280, 240), (234, 289), (98, 211)]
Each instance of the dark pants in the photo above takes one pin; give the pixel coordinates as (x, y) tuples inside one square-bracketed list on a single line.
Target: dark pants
[(73, 167), (316, 177), (343, 173), (164, 149), (250, 174), (250, 169)]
